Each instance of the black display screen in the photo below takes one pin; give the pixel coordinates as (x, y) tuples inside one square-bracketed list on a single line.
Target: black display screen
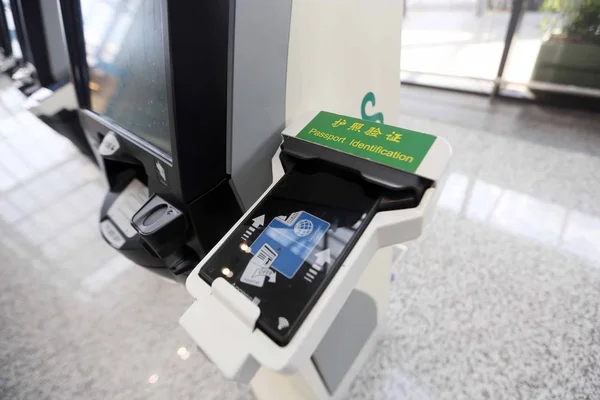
[(289, 248), (125, 48)]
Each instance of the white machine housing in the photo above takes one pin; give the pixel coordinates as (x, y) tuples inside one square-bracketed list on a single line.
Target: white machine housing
[(222, 321), (47, 102), (6, 63), (292, 56)]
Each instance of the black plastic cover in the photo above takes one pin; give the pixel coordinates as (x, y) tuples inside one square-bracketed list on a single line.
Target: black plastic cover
[(161, 226), (294, 150)]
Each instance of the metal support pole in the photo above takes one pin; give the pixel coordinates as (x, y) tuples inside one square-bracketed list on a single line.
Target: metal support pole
[(515, 17), (480, 8)]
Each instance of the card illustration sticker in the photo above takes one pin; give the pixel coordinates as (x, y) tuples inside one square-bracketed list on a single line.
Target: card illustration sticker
[(293, 239), (258, 267)]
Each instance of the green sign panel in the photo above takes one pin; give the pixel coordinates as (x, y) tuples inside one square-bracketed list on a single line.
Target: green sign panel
[(385, 144)]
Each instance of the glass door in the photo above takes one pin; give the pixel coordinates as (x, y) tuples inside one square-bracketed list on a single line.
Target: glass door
[(556, 49), (454, 43), (524, 48)]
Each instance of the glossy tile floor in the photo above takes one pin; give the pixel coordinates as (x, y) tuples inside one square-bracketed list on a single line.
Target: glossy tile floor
[(500, 299)]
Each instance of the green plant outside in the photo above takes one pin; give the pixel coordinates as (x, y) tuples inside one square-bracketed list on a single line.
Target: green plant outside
[(577, 20)]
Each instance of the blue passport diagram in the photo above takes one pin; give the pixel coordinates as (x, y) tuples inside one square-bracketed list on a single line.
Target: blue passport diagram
[(293, 239)]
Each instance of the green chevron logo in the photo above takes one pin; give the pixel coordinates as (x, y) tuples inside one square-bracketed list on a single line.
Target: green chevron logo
[(370, 99)]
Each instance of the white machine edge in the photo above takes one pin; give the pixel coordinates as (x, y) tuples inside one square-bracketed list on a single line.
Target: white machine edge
[(6, 64), (233, 360), (48, 102), (246, 311)]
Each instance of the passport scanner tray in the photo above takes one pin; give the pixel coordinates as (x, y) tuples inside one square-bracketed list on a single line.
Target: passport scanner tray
[(223, 320)]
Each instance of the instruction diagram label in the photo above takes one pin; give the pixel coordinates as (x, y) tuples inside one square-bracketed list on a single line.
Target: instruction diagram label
[(292, 240), (258, 268)]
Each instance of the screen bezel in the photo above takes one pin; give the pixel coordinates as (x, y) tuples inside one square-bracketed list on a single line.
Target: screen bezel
[(199, 95), (166, 157)]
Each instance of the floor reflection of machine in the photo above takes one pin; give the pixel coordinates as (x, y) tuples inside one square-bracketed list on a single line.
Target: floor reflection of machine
[(184, 103)]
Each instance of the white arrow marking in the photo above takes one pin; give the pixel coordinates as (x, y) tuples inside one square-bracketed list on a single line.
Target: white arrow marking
[(258, 221), (323, 257)]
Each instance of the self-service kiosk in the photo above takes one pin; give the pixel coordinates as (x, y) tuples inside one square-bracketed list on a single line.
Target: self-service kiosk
[(40, 67), (5, 40), (7, 58), (45, 75), (288, 258), (23, 73), (184, 102), (293, 297)]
